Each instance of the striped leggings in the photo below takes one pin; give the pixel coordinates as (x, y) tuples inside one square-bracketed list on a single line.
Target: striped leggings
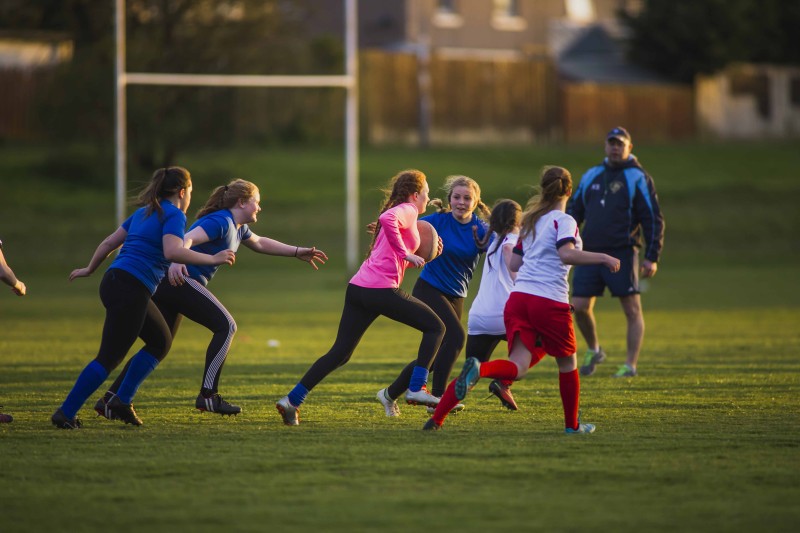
[(196, 303)]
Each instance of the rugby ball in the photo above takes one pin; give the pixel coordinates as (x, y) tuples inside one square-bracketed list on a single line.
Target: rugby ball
[(428, 241)]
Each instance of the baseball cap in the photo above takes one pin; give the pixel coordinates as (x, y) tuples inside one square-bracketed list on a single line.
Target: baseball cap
[(620, 134)]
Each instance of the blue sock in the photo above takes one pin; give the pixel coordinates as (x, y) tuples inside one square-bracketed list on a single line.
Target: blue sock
[(418, 378), (88, 381), (298, 395), (141, 365)]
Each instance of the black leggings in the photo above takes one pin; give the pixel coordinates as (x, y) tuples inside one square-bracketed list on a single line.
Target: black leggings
[(195, 302), (130, 313), (361, 307), (481, 347), (449, 309)]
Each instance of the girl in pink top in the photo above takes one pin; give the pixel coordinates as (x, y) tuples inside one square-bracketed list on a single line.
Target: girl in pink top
[(375, 291)]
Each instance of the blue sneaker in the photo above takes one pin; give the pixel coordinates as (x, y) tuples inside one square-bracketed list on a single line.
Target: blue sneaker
[(582, 428), (469, 376)]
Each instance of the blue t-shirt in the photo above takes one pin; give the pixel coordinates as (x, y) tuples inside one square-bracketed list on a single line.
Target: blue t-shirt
[(452, 271), (222, 235), (142, 253)]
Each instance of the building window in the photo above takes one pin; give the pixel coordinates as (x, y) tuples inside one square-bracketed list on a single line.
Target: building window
[(447, 15), (446, 6), (506, 16), (580, 10)]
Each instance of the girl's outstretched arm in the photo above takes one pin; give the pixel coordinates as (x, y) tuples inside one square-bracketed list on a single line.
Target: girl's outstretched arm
[(109, 244)]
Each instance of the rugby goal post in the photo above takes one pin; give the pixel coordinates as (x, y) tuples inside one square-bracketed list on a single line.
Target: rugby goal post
[(347, 81)]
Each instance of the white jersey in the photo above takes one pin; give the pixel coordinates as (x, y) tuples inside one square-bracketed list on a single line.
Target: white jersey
[(542, 272), (486, 313)]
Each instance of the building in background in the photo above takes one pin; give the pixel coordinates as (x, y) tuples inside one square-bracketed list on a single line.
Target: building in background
[(27, 60)]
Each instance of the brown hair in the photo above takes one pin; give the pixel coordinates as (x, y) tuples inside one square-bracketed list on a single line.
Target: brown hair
[(450, 183), (226, 196), (504, 219), (165, 182), (401, 186), (555, 184)]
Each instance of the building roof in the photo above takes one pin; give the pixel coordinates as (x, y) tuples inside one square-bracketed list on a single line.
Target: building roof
[(594, 56)]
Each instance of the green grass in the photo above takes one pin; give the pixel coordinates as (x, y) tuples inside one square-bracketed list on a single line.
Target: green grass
[(707, 438)]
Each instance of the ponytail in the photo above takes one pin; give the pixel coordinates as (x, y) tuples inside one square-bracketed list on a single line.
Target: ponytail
[(401, 186), (504, 218), (227, 196), (555, 184), (164, 183)]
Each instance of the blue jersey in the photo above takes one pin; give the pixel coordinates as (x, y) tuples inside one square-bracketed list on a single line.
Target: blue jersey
[(142, 253), (222, 235), (452, 271)]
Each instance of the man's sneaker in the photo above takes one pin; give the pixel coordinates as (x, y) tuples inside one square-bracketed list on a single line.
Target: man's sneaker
[(216, 404), (123, 411), (422, 397), (288, 412), (60, 421), (503, 392), (389, 405), (101, 408), (582, 428), (457, 408), (591, 360), (5, 418), (469, 376), (431, 425), (625, 372)]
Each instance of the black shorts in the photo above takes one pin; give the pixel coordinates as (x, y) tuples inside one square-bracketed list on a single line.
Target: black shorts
[(591, 280)]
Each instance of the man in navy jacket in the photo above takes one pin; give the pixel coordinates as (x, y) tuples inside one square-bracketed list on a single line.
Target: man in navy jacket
[(618, 206)]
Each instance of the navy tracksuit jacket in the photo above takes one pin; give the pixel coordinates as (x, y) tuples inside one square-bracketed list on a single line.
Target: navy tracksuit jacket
[(618, 206)]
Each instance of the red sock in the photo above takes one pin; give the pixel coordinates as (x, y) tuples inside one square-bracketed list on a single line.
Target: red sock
[(570, 385), (499, 369), (447, 402)]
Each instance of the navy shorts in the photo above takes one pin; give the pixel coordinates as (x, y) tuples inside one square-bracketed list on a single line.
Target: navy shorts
[(591, 280)]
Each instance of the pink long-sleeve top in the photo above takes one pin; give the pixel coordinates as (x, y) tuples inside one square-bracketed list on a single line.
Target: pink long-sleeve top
[(398, 237)]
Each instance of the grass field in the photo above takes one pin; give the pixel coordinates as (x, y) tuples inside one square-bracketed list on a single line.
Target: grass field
[(706, 439)]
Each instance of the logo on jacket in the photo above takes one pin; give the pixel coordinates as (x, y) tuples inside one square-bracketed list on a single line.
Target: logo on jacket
[(615, 186)]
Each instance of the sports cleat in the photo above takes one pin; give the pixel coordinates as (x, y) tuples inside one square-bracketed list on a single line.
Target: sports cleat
[(123, 411), (469, 376), (625, 372), (5, 418), (421, 397), (60, 421), (431, 425), (101, 407), (503, 392), (457, 408), (288, 412), (590, 361), (389, 405), (216, 404), (582, 429)]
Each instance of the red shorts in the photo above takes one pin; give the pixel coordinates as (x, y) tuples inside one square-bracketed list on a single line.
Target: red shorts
[(533, 317)]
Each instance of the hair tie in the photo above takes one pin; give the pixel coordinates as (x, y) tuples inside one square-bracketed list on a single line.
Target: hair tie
[(226, 188)]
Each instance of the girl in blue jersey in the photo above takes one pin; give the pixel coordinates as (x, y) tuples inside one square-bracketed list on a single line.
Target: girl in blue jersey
[(442, 285), (222, 225), (150, 239)]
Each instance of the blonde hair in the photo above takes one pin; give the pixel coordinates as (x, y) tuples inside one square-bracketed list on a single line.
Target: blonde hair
[(226, 196), (450, 183), (554, 185), (401, 186), (164, 182)]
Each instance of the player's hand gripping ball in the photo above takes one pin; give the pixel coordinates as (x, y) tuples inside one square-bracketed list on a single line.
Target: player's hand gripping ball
[(428, 241)]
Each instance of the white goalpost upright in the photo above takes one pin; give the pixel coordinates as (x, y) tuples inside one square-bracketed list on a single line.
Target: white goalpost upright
[(347, 81)]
